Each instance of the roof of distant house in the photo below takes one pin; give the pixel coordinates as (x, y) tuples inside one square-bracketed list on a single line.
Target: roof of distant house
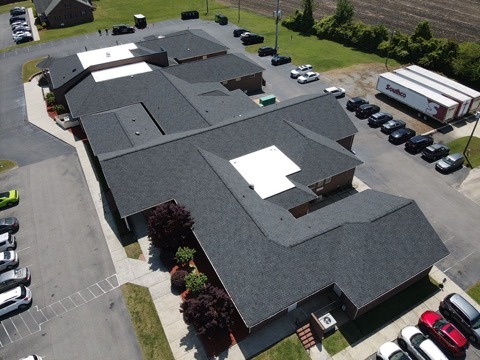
[(46, 6)]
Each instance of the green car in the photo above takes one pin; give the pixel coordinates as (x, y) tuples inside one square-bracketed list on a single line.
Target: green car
[(8, 198)]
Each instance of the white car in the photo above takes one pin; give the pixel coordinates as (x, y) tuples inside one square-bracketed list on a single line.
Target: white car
[(391, 351), (337, 91), (308, 77), (19, 23), (32, 357), (303, 69), (413, 340), (15, 299), (8, 260)]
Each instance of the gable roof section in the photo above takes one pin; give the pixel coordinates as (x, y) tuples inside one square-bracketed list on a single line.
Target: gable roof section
[(41, 5), (119, 129), (215, 69), (64, 69), (54, 3), (186, 44)]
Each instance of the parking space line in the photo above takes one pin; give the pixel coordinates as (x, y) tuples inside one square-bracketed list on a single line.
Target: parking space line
[(23, 249), (50, 306), (81, 296), (41, 312), (6, 332), (16, 329), (25, 324)]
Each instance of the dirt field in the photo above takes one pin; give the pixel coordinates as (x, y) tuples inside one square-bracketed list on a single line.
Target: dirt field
[(457, 20)]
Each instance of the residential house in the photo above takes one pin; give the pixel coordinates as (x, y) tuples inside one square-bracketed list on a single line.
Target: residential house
[(64, 13)]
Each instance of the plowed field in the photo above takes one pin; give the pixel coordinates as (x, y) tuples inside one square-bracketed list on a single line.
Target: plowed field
[(456, 20)]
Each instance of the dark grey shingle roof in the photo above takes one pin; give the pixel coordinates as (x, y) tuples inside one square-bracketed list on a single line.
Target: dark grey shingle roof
[(119, 129), (64, 69), (215, 69), (54, 3)]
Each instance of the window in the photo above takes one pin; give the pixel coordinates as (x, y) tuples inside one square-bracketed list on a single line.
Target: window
[(58, 17), (67, 5), (84, 13), (7, 303)]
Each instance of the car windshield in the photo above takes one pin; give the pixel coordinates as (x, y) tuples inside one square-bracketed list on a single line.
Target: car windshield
[(4, 195), (440, 324), (6, 255), (476, 323), (399, 355), (417, 339), (448, 160), (18, 272)]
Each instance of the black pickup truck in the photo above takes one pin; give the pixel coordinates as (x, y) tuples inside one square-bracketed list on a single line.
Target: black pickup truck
[(122, 29)]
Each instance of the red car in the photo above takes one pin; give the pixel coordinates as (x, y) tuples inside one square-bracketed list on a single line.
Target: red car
[(444, 332)]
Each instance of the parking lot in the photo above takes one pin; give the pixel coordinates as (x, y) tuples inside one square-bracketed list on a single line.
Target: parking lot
[(76, 295)]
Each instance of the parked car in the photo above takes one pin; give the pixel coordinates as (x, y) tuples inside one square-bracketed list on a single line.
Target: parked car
[(379, 118), (21, 34), (15, 299), (412, 339), (9, 225), (464, 314), (365, 110), (17, 18), (308, 77), (7, 242), (391, 351), (21, 29), (302, 69), (238, 32), (21, 26), (280, 60), (13, 278), (392, 125), (418, 143), (253, 39), (8, 260), (401, 135), (338, 92), (444, 332), (32, 357), (9, 198), (450, 163), (122, 29), (355, 102), (435, 151), (17, 11), (23, 39), (266, 51), (245, 34), (19, 23)]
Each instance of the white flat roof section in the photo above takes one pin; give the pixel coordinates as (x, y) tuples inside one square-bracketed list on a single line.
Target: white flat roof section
[(106, 55), (266, 170), (121, 71)]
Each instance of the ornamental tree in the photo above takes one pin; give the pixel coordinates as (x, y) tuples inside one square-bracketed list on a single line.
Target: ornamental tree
[(169, 224), (210, 312)]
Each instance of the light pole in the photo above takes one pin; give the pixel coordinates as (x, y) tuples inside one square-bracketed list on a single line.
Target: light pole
[(465, 151), (238, 20), (277, 14), (389, 47)]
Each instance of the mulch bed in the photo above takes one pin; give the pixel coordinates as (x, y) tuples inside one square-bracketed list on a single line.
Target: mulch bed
[(222, 341)]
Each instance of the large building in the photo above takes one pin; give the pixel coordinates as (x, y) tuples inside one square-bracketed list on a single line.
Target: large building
[(251, 176), (64, 13)]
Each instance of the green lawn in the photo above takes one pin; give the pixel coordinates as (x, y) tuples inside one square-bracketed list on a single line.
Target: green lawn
[(474, 292), (148, 328), (458, 145), (6, 8), (29, 68), (6, 165), (289, 348)]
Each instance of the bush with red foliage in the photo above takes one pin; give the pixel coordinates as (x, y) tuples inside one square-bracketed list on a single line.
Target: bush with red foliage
[(178, 279), (210, 312), (169, 224)]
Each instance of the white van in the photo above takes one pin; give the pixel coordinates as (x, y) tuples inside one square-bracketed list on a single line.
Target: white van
[(7, 242)]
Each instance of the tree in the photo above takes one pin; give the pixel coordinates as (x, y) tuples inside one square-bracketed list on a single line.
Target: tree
[(466, 64), (422, 31), (307, 18), (210, 312), (169, 225), (344, 12)]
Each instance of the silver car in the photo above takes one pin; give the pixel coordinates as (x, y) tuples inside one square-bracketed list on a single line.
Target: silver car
[(450, 163), (8, 260), (13, 278)]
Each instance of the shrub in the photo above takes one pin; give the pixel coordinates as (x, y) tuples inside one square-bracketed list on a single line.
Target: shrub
[(184, 255), (169, 225), (39, 27), (178, 279), (210, 312), (60, 109), (195, 282)]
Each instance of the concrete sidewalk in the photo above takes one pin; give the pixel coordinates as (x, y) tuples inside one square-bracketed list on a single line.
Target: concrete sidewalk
[(152, 274)]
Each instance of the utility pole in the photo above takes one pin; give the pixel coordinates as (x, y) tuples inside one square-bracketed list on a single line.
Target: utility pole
[(389, 46), (465, 151), (277, 14), (238, 21)]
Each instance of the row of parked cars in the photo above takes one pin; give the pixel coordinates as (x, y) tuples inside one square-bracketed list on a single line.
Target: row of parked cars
[(400, 134), (14, 295), (452, 333), (21, 31)]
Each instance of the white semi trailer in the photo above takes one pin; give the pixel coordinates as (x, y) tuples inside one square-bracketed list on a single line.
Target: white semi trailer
[(427, 102), (464, 100), (474, 94)]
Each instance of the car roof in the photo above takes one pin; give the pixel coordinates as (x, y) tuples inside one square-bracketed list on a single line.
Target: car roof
[(13, 293), (455, 156), (7, 275), (432, 350), (437, 146), (460, 302)]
